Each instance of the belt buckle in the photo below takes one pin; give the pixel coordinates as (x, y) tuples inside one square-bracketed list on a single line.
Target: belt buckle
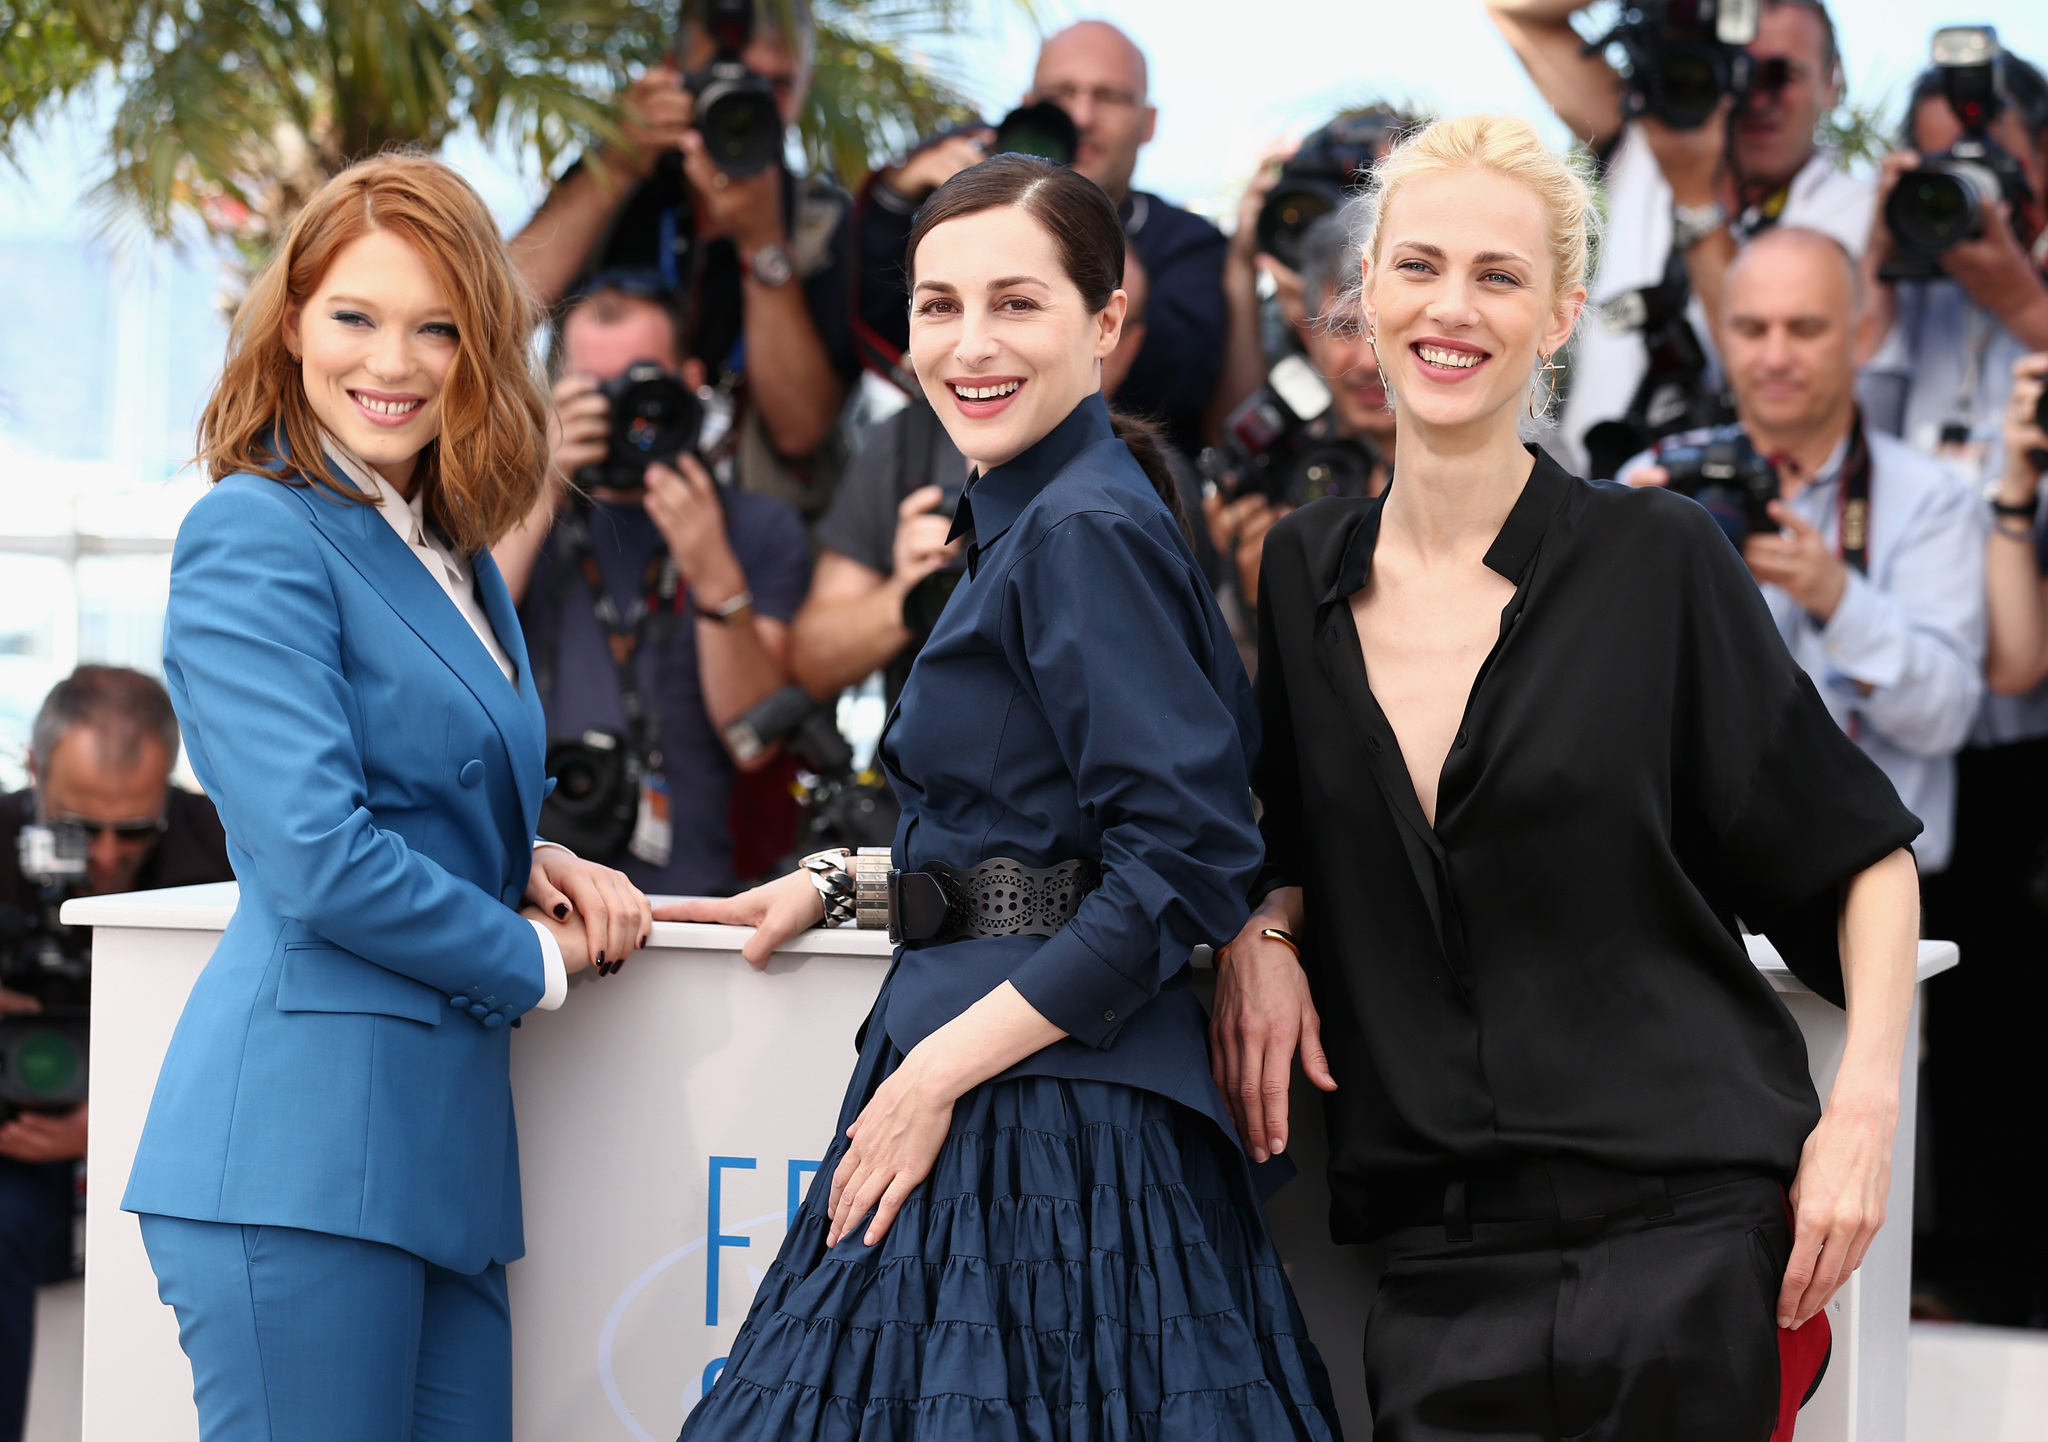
[(922, 907)]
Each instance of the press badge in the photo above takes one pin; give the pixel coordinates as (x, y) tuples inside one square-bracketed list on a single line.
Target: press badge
[(653, 831)]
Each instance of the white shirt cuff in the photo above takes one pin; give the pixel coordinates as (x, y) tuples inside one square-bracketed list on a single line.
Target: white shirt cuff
[(538, 844), (553, 968)]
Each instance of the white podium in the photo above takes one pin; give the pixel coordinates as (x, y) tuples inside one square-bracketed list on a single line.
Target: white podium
[(669, 1118)]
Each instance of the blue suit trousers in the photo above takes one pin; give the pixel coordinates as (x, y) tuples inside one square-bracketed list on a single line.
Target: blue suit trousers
[(298, 1336)]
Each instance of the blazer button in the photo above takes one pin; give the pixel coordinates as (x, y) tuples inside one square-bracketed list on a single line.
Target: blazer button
[(495, 1019), (458, 1002), (471, 774), (479, 1010), (1109, 1016)]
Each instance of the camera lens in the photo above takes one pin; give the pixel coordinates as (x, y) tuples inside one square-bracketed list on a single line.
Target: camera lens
[(1684, 90), (1286, 216), (45, 1063), (1044, 130), (1933, 208), (742, 129)]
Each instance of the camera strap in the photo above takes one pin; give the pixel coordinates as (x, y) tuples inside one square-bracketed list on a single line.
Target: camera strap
[(1852, 501)]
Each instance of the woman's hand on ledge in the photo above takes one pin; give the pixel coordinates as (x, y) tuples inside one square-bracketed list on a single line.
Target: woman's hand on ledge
[(778, 910), (1263, 1016), (614, 914)]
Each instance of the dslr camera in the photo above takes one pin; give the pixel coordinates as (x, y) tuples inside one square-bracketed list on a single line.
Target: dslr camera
[(43, 1055), (1723, 471), (736, 110), (1282, 443), (1682, 56), (842, 807), (654, 419), (1318, 178), (1044, 130), (1942, 202)]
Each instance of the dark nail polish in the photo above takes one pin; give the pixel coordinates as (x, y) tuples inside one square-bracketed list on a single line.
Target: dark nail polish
[(643, 943), (561, 911), (600, 958)]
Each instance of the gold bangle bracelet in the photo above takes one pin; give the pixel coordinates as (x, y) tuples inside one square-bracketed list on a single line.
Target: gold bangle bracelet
[(1284, 939)]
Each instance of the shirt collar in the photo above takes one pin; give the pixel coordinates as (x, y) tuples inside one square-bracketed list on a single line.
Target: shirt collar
[(1511, 551), (408, 519), (992, 502)]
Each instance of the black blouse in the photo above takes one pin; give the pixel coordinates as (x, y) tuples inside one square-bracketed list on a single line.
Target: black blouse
[(1556, 968)]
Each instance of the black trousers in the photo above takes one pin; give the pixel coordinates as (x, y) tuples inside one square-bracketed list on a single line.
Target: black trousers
[(36, 1210), (1519, 1318), (1986, 1085)]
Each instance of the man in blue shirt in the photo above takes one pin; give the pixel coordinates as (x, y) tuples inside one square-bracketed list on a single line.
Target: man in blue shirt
[(741, 566), (1094, 72), (1886, 611)]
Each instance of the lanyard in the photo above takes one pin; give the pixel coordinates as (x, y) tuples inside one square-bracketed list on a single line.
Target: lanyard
[(1852, 501), (651, 622)]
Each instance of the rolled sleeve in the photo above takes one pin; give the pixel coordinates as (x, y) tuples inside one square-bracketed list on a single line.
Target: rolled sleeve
[(1866, 638)]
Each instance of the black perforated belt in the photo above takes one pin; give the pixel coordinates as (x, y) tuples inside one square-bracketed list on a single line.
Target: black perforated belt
[(1000, 897)]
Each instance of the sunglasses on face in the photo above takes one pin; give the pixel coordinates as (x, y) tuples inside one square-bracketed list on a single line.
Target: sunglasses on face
[(122, 830)]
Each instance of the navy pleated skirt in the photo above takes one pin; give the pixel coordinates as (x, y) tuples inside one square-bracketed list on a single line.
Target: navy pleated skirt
[(1086, 1263)]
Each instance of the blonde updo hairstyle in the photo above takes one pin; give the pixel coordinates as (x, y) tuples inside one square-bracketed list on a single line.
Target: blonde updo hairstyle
[(1509, 146)]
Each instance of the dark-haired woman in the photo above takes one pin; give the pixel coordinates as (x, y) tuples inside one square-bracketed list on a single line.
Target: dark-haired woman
[(1032, 1221)]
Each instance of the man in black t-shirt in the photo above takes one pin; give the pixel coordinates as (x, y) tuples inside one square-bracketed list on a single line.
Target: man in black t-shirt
[(759, 260), (100, 762), (1094, 72)]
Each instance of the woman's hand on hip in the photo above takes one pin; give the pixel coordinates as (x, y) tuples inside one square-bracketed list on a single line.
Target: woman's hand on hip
[(1262, 1017), (778, 910), (614, 913), (1838, 1201), (892, 1145)]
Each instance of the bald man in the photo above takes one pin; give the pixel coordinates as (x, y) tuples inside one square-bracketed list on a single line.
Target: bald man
[(1892, 630), (1097, 74)]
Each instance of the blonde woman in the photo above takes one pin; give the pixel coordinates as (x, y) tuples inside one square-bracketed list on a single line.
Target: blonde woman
[(1532, 746), (328, 1181)]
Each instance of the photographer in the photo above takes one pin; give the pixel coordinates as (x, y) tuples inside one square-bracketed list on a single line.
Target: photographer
[(1983, 1031), (654, 612), (1097, 74), (1690, 180), (1869, 553), (885, 563), (1953, 325), (760, 257), (108, 820), (1327, 326)]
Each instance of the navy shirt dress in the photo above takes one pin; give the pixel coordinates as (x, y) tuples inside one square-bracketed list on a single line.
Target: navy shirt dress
[(1087, 1258)]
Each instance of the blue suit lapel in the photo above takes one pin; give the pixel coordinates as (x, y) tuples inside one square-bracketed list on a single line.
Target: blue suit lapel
[(369, 544)]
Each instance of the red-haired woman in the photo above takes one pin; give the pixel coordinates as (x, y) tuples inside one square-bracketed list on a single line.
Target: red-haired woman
[(328, 1181)]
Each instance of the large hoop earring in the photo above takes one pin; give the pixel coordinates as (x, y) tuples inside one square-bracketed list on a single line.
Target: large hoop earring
[(1548, 370)]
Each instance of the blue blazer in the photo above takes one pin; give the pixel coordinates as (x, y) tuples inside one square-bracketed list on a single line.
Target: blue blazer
[(343, 1065)]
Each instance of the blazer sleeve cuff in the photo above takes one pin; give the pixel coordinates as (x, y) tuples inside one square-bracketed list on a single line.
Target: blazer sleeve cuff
[(554, 971), (1077, 991)]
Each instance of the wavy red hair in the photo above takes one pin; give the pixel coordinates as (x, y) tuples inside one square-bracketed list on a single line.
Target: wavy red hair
[(485, 470)]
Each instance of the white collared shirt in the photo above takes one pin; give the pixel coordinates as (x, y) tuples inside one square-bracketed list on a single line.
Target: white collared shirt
[(451, 572)]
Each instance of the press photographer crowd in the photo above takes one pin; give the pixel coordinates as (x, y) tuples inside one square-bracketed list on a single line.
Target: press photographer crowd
[(751, 508)]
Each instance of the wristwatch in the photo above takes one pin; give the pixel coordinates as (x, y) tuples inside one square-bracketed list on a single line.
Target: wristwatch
[(773, 265), (735, 610), (1691, 224)]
